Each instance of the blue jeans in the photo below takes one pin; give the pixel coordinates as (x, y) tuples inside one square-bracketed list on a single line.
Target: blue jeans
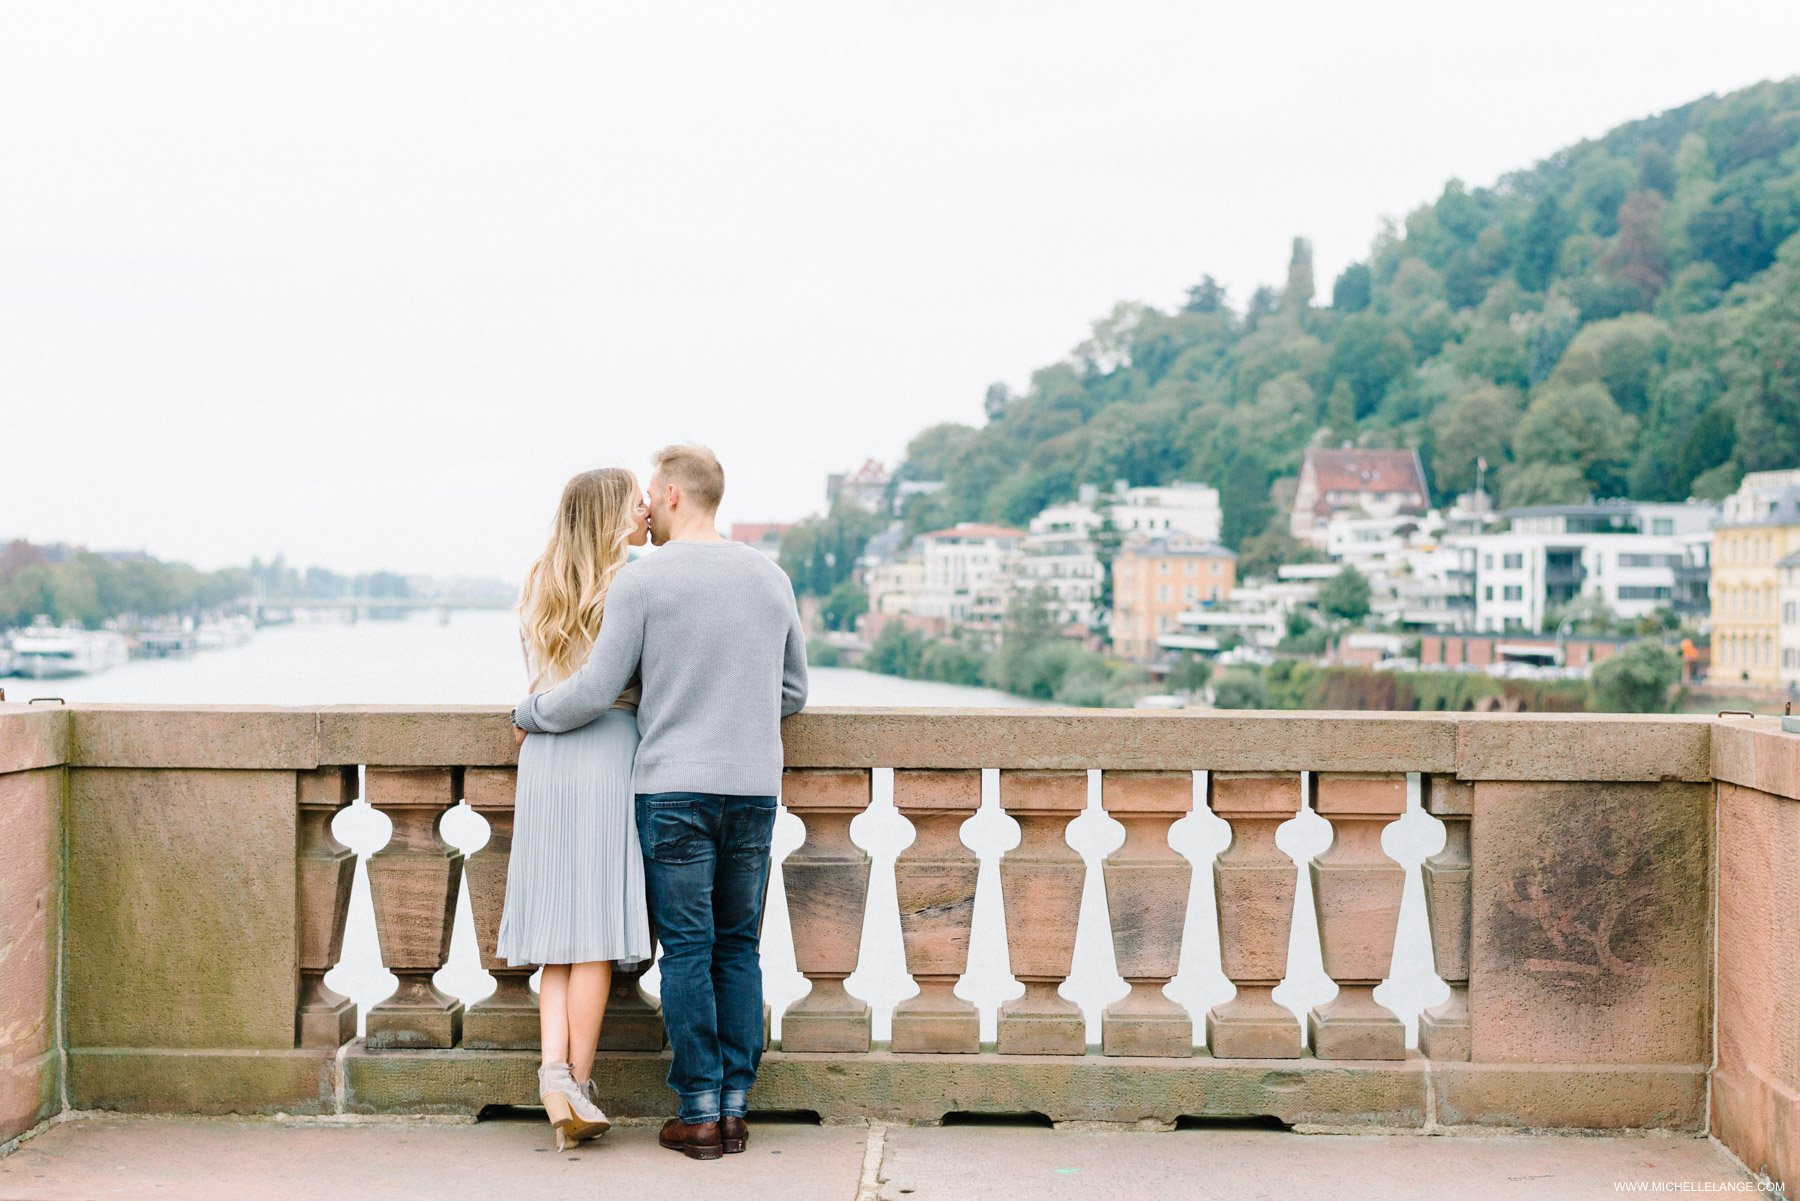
[(706, 873)]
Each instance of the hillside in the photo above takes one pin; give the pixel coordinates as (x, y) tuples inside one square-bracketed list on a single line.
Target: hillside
[(1621, 319)]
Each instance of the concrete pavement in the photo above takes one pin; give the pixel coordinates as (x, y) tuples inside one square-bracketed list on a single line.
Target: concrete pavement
[(244, 1160)]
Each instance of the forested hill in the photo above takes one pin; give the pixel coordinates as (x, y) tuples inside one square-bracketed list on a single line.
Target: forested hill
[(1621, 319)]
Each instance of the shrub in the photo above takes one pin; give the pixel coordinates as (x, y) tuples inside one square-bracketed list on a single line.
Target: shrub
[(1240, 687)]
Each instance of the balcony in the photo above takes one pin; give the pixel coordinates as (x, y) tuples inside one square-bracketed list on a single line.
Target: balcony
[(1612, 914)]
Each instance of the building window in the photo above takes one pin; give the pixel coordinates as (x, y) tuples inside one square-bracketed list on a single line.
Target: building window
[(1513, 562), (1162, 593), (1662, 525), (1215, 567), (1643, 592), (1488, 592), (1487, 562), (1162, 567), (1515, 592)]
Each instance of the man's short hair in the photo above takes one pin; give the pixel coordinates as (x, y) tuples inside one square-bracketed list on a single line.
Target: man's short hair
[(696, 469)]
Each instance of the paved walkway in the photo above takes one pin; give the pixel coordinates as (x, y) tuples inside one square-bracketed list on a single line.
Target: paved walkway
[(225, 1160)]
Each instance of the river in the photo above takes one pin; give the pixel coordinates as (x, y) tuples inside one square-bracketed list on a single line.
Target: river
[(474, 659)]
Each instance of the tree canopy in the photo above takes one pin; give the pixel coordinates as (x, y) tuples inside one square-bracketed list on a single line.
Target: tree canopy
[(1622, 318)]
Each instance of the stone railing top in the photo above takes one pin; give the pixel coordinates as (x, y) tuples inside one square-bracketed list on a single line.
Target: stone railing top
[(1755, 753), (1467, 746)]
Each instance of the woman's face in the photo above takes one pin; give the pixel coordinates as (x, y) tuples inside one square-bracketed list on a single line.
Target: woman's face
[(640, 526)]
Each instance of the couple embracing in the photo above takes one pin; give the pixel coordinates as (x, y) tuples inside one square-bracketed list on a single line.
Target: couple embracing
[(649, 763)]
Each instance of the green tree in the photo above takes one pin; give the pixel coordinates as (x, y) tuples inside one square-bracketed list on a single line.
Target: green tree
[(1475, 423), (1297, 297), (1370, 356), (1354, 290), (1635, 680), (1189, 673), (1207, 296), (843, 605), (1345, 595), (1528, 484), (1577, 426)]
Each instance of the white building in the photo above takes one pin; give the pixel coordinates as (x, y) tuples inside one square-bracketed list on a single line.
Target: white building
[(1555, 553), (962, 562), (1177, 508), (1372, 483), (866, 487), (894, 586), (1058, 555), (1787, 630)]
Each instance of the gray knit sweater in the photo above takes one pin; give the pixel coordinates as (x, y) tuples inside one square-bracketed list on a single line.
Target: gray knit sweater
[(723, 655)]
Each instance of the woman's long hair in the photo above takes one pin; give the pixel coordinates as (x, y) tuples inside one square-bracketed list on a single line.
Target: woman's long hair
[(564, 596)]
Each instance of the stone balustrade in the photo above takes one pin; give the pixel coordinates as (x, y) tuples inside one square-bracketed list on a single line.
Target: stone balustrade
[(171, 875)]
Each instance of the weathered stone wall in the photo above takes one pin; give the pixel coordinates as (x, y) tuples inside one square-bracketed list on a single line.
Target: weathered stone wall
[(1756, 1084), (1570, 911), (33, 744)]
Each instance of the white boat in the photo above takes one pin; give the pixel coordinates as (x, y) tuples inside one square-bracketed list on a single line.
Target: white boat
[(45, 651), (228, 631)]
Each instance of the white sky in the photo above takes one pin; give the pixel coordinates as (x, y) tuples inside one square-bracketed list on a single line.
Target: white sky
[(366, 282)]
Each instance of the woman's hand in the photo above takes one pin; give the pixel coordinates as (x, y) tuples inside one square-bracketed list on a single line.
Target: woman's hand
[(518, 736)]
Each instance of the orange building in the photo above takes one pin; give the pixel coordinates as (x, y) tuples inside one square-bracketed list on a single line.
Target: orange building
[(1156, 580)]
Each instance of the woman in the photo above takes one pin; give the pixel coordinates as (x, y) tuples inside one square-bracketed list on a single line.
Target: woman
[(575, 885)]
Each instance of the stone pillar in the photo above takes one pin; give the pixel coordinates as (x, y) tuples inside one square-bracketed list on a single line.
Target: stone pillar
[(633, 1017), (827, 879), (324, 872), (1356, 893), (1255, 882), (508, 1020), (413, 881), (1444, 1029), (934, 881), (1147, 884), (1041, 880)]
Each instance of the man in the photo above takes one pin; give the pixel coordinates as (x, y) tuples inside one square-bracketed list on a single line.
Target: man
[(715, 629)]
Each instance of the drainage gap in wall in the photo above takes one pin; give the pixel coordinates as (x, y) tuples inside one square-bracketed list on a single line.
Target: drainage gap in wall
[(1188, 1121), (962, 1117)]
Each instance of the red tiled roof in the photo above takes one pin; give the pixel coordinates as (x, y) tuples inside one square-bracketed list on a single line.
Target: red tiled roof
[(756, 531), (1365, 471)]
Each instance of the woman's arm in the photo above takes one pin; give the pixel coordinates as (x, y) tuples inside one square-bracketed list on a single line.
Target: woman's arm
[(593, 688)]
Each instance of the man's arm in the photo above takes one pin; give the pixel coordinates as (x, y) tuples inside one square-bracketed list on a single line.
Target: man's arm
[(597, 683), (793, 668)]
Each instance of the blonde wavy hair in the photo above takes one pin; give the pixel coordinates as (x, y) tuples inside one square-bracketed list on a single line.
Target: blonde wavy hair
[(564, 595)]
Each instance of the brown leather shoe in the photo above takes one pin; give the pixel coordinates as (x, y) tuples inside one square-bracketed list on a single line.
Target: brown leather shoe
[(734, 1134), (695, 1142)]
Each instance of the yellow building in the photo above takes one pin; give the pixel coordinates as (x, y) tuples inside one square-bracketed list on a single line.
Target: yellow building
[(1759, 528), (1156, 580)]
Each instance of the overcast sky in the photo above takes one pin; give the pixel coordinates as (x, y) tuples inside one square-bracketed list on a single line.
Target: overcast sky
[(365, 283)]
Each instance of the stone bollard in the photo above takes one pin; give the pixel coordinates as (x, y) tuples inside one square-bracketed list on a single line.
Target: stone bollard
[(1147, 884), (934, 882), (1356, 893), (827, 879), (325, 870), (1255, 881), (1444, 1029), (508, 1020), (1041, 880), (413, 881)]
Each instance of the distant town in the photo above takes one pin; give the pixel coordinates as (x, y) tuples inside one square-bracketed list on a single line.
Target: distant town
[(1378, 578), (66, 610)]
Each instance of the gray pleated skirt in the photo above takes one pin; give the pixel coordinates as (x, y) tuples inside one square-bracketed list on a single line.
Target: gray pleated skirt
[(575, 884)]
